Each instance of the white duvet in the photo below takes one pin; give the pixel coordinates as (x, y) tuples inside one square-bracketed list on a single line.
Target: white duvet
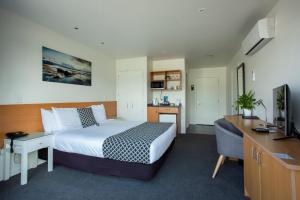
[(89, 141)]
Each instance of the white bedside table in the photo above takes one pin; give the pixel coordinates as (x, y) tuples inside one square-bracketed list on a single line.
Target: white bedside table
[(27, 144)]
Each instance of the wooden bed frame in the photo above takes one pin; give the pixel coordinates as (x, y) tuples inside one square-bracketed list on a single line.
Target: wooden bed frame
[(27, 117)]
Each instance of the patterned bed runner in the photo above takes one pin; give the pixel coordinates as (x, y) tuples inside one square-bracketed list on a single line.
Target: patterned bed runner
[(133, 145)]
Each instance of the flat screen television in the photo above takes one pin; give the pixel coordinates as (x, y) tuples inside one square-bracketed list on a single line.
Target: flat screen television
[(282, 110)]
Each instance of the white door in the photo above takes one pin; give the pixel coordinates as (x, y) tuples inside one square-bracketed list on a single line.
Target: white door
[(131, 95), (207, 100)]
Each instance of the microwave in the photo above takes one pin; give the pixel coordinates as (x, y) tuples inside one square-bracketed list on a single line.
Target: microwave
[(157, 84)]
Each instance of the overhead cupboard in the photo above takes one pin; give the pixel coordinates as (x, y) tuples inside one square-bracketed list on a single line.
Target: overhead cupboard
[(166, 80)]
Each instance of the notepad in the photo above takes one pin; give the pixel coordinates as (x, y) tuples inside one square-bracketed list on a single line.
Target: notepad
[(283, 156)]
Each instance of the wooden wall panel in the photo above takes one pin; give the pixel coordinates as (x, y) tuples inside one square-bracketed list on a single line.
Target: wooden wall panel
[(27, 117), (296, 186)]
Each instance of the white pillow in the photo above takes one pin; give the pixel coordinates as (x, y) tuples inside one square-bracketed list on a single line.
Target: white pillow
[(48, 119), (99, 113), (67, 118)]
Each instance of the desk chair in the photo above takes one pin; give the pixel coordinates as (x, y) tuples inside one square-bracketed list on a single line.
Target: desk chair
[(229, 142)]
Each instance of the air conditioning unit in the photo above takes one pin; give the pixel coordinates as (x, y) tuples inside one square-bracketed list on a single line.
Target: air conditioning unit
[(260, 35)]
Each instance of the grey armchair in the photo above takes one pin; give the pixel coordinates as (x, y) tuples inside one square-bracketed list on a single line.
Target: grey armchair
[(229, 142)]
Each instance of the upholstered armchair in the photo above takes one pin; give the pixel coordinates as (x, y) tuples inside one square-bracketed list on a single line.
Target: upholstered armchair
[(229, 142)]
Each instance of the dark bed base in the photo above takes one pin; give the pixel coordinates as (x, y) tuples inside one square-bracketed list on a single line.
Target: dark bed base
[(104, 166)]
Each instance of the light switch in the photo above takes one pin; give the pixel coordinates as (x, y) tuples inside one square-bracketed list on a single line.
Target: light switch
[(253, 76)]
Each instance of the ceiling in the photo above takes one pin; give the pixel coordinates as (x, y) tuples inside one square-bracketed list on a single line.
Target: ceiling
[(156, 28)]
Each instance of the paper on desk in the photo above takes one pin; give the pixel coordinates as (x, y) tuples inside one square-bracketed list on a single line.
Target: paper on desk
[(283, 156)]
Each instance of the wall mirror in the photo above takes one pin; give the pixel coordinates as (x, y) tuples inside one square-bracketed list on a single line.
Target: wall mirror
[(241, 80)]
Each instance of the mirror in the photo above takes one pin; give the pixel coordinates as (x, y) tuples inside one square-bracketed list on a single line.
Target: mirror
[(241, 80)]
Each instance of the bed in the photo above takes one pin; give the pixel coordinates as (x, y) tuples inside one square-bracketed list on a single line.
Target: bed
[(88, 149)]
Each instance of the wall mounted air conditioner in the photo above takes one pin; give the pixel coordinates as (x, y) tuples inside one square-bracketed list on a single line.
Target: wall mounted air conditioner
[(260, 35)]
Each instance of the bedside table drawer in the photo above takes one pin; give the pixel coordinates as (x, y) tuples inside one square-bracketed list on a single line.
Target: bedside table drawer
[(39, 143)]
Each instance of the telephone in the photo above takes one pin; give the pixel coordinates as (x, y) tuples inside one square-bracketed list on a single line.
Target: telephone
[(14, 135)]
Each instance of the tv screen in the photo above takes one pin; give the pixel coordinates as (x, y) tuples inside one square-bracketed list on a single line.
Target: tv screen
[(281, 111)]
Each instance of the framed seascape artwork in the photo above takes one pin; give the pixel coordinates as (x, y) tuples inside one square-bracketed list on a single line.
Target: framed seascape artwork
[(63, 68)]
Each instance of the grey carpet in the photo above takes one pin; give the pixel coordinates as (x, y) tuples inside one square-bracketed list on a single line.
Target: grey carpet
[(201, 129), (186, 174)]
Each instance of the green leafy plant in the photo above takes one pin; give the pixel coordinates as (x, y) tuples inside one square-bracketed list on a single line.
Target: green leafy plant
[(246, 101)]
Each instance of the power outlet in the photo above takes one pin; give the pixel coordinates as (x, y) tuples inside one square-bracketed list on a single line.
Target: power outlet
[(19, 99)]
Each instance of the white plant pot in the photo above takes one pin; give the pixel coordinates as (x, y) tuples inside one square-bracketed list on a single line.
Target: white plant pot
[(247, 112)]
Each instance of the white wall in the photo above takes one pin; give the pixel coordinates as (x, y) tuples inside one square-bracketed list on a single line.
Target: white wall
[(21, 65), (173, 64), (139, 63), (193, 75), (277, 63)]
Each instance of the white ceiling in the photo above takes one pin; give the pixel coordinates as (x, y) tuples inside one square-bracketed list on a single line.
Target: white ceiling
[(156, 28)]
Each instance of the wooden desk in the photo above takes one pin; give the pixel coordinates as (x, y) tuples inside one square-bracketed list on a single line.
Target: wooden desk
[(265, 175)]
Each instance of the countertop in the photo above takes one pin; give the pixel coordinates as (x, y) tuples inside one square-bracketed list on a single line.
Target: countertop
[(266, 142), (162, 105)]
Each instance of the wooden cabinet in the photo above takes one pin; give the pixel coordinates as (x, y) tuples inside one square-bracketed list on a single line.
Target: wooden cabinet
[(153, 114), (247, 167), (284, 182), (172, 79), (251, 170), (264, 177)]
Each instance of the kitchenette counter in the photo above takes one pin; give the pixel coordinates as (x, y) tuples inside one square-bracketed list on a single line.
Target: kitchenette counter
[(156, 111), (163, 105)]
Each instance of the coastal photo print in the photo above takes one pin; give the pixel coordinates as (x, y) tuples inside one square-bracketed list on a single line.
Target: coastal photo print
[(63, 68)]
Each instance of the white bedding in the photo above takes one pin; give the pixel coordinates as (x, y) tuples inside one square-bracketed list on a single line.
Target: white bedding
[(89, 141)]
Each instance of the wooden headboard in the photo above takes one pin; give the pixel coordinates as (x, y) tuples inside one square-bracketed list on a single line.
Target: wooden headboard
[(27, 117)]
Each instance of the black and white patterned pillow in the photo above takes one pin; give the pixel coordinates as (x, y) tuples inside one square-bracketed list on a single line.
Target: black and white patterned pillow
[(86, 117)]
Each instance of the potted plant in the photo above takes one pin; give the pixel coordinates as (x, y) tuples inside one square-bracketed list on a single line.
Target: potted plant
[(247, 103)]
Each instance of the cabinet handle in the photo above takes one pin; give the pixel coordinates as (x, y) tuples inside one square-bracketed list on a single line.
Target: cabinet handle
[(253, 153), (259, 161), (258, 158)]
